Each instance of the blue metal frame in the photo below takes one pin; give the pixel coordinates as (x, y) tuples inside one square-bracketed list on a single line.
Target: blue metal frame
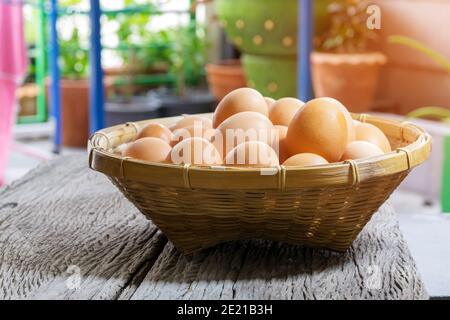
[(55, 95), (96, 115), (305, 46)]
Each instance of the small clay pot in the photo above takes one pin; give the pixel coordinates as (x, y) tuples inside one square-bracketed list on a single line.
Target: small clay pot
[(74, 111), (350, 78), (225, 77)]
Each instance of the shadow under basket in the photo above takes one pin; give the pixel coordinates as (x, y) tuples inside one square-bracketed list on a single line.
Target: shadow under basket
[(198, 207)]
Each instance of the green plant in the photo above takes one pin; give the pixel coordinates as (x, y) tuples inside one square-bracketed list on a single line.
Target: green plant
[(436, 113), (73, 55), (73, 59), (139, 48), (179, 51), (419, 46), (188, 57), (347, 31), (427, 112), (155, 51)]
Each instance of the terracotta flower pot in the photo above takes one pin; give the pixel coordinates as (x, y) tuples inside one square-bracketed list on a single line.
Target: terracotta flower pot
[(74, 112), (350, 78), (225, 77)]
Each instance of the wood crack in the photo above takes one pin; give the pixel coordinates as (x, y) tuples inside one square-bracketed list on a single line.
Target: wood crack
[(238, 273), (142, 269)]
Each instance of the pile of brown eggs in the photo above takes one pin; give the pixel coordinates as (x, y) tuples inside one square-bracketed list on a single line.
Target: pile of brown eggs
[(248, 129)]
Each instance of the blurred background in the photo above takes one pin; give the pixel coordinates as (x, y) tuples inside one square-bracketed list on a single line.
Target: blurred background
[(68, 69)]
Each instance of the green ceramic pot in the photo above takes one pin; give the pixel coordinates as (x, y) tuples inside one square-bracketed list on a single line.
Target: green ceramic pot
[(273, 76), (266, 32)]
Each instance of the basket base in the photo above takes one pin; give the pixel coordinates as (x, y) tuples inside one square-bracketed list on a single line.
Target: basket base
[(197, 219)]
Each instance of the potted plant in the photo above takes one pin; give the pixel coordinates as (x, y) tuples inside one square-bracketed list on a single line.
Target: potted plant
[(265, 31), (162, 74), (73, 63), (145, 66), (345, 65), (224, 77), (187, 66), (142, 52)]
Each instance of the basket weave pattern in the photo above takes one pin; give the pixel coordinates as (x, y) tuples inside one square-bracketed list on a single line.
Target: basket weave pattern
[(326, 207)]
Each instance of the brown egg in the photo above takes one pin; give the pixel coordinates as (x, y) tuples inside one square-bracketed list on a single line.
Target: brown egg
[(348, 117), (368, 132), (320, 127), (252, 153), (361, 149), (279, 143), (242, 127), (284, 110), (191, 132), (304, 160), (155, 130), (270, 102), (240, 100), (196, 151), (190, 120), (149, 149)]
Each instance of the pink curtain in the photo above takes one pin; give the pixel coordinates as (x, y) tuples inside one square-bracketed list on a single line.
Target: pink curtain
[(13, 64)]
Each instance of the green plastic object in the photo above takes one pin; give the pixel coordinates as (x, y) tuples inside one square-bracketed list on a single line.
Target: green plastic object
[(41, 64), (433, 113), (266, 32), (271, 75), (445, 193), (41, 68), (264, 27)]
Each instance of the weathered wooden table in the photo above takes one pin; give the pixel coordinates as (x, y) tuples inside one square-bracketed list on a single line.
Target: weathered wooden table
[(67, 233)]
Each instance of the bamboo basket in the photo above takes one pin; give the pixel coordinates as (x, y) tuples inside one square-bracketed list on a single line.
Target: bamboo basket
[(323, 206)]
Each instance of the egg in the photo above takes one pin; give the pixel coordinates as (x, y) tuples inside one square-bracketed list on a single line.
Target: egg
[(361, 149), (149, 149), (370, 133), (196, 151), (240, 100), (242, 127), (270, 102), (155, 130), (279, 143), (252, 153), (348, 118), (190, 120), (284, 110), (304, 160), (319, 127)]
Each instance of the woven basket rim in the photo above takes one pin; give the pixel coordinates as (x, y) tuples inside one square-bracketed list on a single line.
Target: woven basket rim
[(238, 178)]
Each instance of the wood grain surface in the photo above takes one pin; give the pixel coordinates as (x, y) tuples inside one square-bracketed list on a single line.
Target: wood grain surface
[(67, 233)]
